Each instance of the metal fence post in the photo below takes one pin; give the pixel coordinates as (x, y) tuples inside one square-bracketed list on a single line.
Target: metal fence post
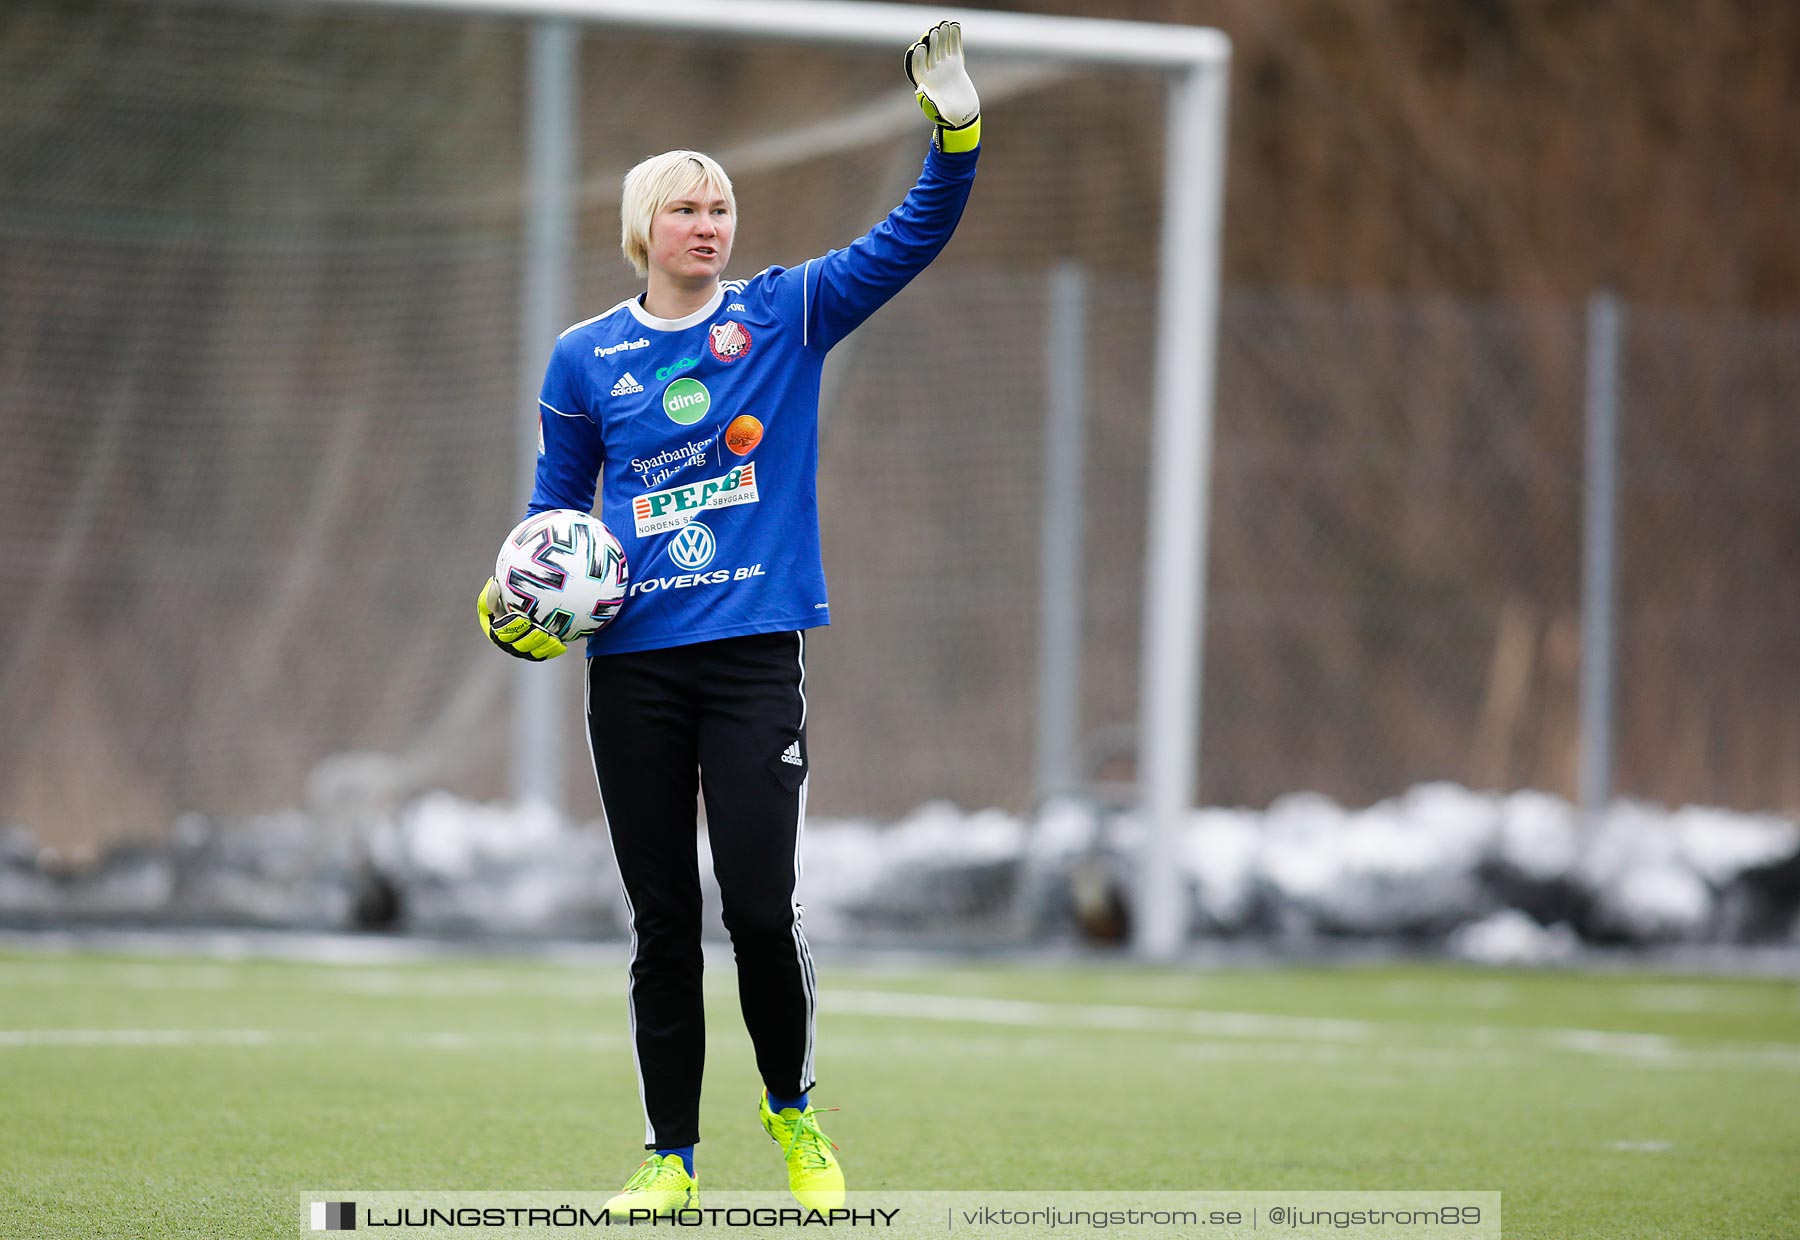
[(1060, 550), (549, 231), (1599, 560)]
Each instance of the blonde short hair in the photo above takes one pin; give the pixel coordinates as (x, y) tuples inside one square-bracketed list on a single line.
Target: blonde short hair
[(653, 185)]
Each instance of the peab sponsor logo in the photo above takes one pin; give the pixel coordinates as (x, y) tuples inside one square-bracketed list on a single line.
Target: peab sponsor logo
[(607, 350), (670, 509)]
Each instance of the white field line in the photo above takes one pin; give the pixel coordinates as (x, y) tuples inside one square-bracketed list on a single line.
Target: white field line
[(1360, 1056), (602, 981), (1107, 1016), (361, 981), (1644, 1049), (252, 946), (1686, 997), (11, 1039)]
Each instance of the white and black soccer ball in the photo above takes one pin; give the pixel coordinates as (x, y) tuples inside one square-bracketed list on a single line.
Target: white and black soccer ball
[(565, 570)]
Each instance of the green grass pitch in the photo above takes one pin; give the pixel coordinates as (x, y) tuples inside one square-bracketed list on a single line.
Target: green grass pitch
[(196, 1096)]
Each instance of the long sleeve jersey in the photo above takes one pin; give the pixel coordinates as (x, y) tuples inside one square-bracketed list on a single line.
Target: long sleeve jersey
[(706, 429)]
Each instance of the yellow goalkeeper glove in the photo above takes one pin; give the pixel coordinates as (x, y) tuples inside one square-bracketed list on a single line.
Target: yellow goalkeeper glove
[(514, 631), (934, 65)]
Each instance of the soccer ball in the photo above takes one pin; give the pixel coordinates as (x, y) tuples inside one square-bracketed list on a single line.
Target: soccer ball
[(565, 570)]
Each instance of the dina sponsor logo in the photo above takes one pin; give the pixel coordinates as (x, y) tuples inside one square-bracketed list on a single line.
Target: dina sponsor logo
[(607, 350), (728, 341), (670, 509), (686, 401)]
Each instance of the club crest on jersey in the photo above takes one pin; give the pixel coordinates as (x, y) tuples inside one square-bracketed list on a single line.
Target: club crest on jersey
[(729, 340)]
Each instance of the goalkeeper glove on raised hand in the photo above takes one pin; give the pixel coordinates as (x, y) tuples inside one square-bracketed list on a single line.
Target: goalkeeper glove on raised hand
[(934, 65), (514, 631)]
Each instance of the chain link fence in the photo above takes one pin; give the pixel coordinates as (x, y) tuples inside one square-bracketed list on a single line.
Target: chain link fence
[(258, 296)]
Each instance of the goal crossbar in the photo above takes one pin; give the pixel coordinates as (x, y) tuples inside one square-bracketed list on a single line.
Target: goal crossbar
[(1196, 61), (841, 23)]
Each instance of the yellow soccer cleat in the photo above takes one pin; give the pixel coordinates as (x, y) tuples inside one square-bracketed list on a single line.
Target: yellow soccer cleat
[(659, 1186), (814, 1176)]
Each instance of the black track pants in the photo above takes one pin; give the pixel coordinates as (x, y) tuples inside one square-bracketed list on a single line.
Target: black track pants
[(726, 718)]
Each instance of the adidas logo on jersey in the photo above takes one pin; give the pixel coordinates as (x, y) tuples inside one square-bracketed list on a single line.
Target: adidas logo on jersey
[(791, 755), (626, 385)]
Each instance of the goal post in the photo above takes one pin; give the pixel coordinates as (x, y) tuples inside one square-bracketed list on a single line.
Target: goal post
[(1196, 63), (1175, 564)]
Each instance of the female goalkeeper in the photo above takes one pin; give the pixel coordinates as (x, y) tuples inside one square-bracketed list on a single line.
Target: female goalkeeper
[(699, 402)]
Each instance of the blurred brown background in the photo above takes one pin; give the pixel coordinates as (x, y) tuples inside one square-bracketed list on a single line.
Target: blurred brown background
[(259, 289)]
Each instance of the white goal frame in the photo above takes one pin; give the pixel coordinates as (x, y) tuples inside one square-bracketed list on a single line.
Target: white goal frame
[(1197, 62)]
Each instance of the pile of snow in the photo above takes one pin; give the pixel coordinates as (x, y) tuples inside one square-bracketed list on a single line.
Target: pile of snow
[(1401, 867), (1509, 937), (1518, 878)]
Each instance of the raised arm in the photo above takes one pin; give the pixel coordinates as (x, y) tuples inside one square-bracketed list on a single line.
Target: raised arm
[(846, 286)]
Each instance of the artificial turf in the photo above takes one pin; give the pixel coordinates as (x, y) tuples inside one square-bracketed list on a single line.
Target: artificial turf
[(189, 1096)]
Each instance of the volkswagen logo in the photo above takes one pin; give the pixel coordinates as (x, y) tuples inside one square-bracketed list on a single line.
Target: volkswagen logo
[(693, 546)]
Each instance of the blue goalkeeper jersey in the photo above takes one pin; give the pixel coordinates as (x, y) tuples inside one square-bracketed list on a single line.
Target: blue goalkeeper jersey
[(706, 430)]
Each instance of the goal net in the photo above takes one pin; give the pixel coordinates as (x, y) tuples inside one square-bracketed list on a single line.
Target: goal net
[(260, 286), (259, 423)]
